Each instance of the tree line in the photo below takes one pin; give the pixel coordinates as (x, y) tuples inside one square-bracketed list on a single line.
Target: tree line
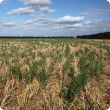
[(105, 35), (36, 37)]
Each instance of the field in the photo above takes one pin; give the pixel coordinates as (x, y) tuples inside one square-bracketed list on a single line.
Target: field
[(54, 74)]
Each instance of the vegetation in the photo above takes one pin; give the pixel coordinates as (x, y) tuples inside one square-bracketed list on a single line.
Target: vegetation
[(105, 35), (50, 68)]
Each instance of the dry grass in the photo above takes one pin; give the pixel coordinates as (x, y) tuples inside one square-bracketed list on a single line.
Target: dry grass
[(35, 96)]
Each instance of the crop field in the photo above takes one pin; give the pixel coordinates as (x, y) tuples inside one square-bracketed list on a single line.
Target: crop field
[(54, 74)]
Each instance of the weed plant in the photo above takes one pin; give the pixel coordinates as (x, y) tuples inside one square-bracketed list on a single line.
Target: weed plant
[(76, 53), (1, 79), (16, 72), (60, 58), (86, 49), (67, 50), (81, 51), (80, 80)]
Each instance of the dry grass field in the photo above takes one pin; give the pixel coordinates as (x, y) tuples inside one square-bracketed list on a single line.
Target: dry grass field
[(54, 74)]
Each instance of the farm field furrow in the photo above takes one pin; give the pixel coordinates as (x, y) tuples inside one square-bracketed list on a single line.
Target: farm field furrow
[(55, 74)]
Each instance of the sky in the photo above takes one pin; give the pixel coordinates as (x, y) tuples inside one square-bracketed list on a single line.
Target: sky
[(54, 17)]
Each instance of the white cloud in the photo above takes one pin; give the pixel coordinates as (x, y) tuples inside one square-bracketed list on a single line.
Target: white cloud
[(66, 20), (35, 20), (84, 14), (37, 2), (90, 26), (75, 25), (93, 21), (3, 1), (21, 11), (34, 5), (9, 24), (38, 24), (64, 24), (108, 1), (27, 22), (37, 16), (46, 10), (69, 19), (43, 19)]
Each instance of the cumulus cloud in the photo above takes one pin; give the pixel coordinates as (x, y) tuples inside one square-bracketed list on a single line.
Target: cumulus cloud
[(39, 20), (93, 21), (45, 21), (46, 10), (69, 23), (108, 1), (9, 24), (73, 26), (37, 2), (3, 1), (38, 24), (34, 6), (69, 19), (21, 11), (37, 16), (66, 20), (27, 22)]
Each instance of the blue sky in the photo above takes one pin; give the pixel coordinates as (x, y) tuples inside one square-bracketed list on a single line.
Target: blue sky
[(54, 17)]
